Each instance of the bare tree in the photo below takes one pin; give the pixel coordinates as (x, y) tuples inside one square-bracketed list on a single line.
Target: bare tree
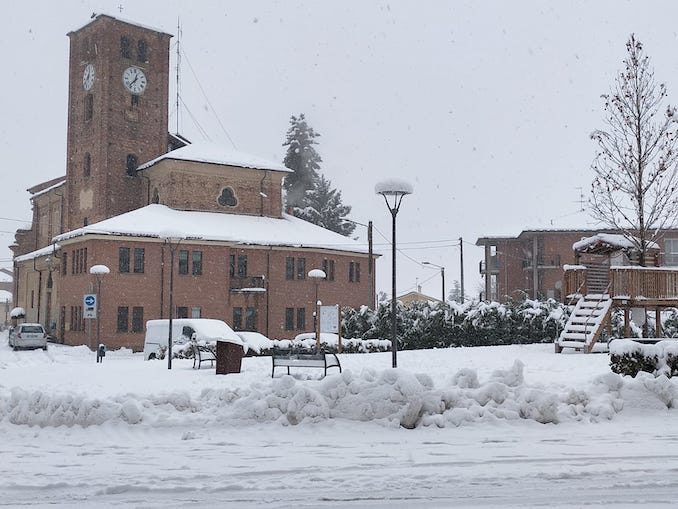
[(636, 176)]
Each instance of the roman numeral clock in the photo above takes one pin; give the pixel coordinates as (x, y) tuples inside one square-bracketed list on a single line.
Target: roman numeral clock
[(134, 80)]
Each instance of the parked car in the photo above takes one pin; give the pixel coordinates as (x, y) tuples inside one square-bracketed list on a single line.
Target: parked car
[(28, 335), (183, 330)]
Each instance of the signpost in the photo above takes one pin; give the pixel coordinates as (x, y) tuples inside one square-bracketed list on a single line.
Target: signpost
[(330, 321), (89, 302)]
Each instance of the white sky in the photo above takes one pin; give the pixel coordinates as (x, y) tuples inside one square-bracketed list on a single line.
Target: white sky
[(485, 106)]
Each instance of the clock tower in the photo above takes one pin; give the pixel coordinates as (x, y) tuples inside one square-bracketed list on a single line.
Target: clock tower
[(117, 116)]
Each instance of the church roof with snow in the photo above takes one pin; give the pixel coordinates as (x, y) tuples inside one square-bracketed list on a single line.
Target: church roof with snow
[(151, 220), (204, 152)]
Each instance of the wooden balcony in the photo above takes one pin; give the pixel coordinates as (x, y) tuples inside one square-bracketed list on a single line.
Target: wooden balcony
[(630, 286)]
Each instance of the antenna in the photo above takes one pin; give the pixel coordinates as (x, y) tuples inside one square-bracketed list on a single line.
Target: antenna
[(178, 69)]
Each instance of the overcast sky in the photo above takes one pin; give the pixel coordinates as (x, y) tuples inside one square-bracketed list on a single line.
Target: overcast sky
[(485, 107)]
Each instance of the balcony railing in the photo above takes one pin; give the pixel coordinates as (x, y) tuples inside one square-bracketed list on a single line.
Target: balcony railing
[(244, 284), (494, 265), (628, 283)]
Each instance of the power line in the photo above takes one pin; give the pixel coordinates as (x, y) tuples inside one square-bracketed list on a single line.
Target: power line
[(183, 52)]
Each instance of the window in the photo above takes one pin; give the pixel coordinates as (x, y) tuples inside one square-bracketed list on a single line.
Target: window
[(242, 265), (85, 221), (182, 312), (64, 263), (195, 312), (183, 262), (132, 164), (139, 260), (328, 269), (671, 252), (237, 318), (77, 323), (135, 101), (289, 318), (123, 259), (231, 265), (87, 165), (354, 272), (89, 107), (301, 268), (197, 263), (301, 318), (124, 47), (123, 318), (142, 51), (137, 319), (251, 319), (289, 267), (79, 261)]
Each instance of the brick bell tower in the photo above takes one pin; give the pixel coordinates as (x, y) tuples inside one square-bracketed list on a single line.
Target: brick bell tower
[(117, 116)]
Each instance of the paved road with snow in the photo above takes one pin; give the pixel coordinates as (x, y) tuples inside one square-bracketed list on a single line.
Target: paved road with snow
[(158, 439)]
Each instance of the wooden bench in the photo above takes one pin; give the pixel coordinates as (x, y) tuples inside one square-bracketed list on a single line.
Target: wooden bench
[(304, 359), (202, 353)]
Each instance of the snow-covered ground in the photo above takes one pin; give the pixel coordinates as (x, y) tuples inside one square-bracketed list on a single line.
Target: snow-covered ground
[(512, 426)]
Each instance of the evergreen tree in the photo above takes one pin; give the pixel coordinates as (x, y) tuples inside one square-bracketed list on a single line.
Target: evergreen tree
[(309, 194), (302, 158), (324, 208)]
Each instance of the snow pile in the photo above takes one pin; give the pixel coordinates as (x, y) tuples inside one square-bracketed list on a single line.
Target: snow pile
[(391, 397)]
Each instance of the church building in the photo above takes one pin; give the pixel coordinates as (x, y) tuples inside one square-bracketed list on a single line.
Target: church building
[(136, 197)]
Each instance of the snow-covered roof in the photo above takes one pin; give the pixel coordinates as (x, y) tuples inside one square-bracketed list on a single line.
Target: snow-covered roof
[(151, 220), (48, 189), (609, 241), (43, 251), (205, 152), (5, 296)]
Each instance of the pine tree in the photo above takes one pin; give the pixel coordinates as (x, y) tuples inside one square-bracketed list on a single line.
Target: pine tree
[(302, 158), (309, 194), (324, 208)]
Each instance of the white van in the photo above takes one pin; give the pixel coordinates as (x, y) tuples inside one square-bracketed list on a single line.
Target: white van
[(183, 330)]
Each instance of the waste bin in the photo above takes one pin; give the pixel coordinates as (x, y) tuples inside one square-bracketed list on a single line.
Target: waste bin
[(229, 357)]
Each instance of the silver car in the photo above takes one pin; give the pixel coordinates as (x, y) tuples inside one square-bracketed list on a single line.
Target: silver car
[(28, 335)]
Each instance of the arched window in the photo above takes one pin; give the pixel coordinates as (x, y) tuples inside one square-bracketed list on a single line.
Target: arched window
[(142, 51), (156, 196), (132, 164), (87, 165), (124, 47)]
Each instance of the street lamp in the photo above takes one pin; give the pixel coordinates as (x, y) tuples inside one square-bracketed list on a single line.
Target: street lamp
[(99, 271), (317, 275), (442, 275), (172, 239), (393, 191)]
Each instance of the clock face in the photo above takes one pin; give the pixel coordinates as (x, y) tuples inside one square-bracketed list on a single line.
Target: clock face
[(134, 80), (88, 77)]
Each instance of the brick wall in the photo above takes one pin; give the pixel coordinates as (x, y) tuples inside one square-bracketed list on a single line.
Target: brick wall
[(211, 291), (188, 185)]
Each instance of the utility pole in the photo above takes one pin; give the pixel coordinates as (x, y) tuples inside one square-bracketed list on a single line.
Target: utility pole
[(461, 260), (370, 264)]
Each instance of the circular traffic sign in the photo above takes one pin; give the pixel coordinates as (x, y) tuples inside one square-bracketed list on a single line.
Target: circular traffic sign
[(90, 300)]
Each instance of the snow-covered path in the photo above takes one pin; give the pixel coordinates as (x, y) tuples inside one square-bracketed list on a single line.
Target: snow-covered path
[(200, 454)]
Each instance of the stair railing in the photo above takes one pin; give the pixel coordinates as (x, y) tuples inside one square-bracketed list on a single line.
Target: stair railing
[(600, 299)]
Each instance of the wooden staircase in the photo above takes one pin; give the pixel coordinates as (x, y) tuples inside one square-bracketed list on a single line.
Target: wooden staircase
[(586, 323)]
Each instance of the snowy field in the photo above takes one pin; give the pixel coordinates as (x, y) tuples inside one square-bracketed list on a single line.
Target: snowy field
[(513, 426)]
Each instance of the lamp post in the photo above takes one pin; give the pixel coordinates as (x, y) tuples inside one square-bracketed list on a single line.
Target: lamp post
[(172, 239), (99, 271), (442, 275), (393, 191), (317, 275)]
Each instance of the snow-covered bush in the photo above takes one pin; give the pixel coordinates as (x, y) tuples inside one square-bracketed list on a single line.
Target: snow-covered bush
[(437, 325), (629, 357)]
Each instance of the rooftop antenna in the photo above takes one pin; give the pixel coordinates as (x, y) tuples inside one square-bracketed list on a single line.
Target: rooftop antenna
[(178, 69)]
